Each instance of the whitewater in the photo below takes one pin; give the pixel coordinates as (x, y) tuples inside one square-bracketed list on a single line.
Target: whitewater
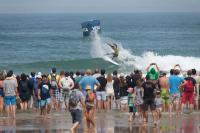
[(128, 61)]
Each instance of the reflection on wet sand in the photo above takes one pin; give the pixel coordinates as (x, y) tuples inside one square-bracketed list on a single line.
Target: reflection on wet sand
[(109, 122)]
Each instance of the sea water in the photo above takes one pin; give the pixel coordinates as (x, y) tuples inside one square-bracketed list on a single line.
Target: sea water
[(37, 42)]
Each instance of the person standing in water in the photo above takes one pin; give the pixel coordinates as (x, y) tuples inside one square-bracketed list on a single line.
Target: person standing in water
[(115, 49)]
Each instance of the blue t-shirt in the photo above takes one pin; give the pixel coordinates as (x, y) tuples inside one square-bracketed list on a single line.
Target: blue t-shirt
[(88, 80), (175, 81)]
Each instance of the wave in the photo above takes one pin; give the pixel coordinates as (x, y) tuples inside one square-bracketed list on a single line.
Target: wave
[(128, 61), (70, 65)]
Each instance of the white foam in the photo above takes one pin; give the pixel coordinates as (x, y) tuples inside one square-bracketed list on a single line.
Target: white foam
[(127, 59)]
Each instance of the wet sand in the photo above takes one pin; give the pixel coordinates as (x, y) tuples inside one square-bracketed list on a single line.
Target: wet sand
[(109, 122)]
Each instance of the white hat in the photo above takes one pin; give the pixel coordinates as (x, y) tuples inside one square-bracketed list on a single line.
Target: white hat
[(39, 75), (121, 75)]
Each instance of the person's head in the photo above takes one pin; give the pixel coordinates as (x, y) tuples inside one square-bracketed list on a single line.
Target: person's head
[(76, 86), (10, 73), (172, 72), (82, 73), (88, 72), (176, 72), (158, 94), (67, 74), (136, 72), (121, 75), (130, 90), (78, 73), (103, 71), (96, 70), (194, 72), (23, 77), (109, 77), (32, 74), (115, 73), (71, 74), (44, 78), (2, 76), (53, 70), (189, 72), (62, 73), (153, 71)]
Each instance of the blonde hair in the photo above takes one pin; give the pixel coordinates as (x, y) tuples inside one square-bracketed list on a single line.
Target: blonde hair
[(109, 77)]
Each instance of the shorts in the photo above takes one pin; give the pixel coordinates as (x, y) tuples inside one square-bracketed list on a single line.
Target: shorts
[(165, 96), (132, 109), (124, 100), (56, 94), (139, 102), (101, 95), (45, 102), (65, 95), (10, 100), (187, 97), (110, 92), (175, 97), (76, 115), (147, 103), (1, 93)]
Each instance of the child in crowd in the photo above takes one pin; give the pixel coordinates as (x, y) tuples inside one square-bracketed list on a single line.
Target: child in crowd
[(139, 97), (158, 103), (132, 104)]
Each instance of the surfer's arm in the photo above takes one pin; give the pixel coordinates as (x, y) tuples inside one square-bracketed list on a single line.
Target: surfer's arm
[(109, 44)]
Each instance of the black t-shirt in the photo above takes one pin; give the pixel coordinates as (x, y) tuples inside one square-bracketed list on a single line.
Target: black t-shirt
[(149, 88), (103, 81), (44, 90)]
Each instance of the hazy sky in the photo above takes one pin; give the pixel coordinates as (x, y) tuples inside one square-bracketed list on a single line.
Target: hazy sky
[(43, 6)]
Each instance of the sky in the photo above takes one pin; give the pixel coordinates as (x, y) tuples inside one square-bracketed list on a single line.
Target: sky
[(101, 6)]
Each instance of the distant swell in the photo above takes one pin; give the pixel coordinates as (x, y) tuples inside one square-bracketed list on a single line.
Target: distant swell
[(70, 65)]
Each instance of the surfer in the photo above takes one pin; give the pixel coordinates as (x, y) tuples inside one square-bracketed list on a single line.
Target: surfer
[(115, 54)]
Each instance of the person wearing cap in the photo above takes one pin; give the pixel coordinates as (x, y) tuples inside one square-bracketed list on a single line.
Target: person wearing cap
[(44, 96), (88, 79), (90, 109)]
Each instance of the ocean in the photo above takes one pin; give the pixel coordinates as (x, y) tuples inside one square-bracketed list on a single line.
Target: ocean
[(38, 42)]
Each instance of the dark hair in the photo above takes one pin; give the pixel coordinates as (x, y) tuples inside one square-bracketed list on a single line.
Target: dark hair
[(23, 77), (71, 73), (78, 73), (2, 76), (53, 70), (194, 72), (177, 72), (67, 74), (189, 72), (137, 71), (32, 74), (103, 71), (44, 76), (172, 72), (115, 72), (82, 73), (62, 72), (10, 73)]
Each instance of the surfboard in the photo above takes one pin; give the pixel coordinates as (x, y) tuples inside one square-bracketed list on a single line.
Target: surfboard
[(110, 60)]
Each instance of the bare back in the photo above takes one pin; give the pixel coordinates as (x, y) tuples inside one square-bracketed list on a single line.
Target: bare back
[(164, 82)]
